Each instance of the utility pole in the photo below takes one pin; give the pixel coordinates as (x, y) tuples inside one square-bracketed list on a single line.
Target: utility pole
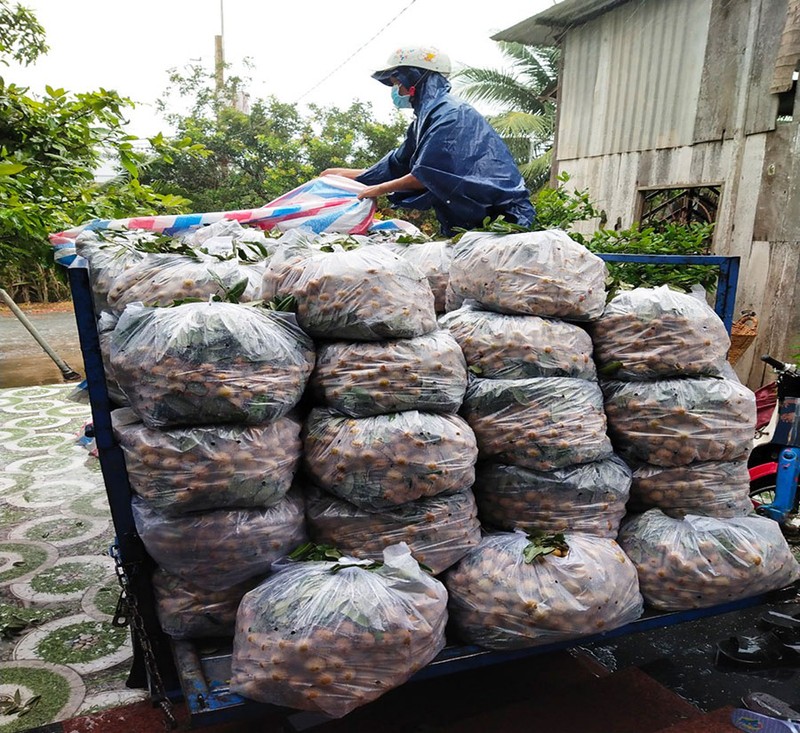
[(219, 53)]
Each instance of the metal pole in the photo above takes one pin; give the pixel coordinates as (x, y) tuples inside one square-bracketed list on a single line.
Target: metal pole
[(67, 372)]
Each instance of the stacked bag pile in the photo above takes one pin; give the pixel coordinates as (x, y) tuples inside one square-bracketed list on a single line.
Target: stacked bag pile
[(210, 437), (684, 423), (388, 467), (547, 465), (385, 454)]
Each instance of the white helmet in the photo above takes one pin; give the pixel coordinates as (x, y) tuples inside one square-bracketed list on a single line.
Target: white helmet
[(423, 57)]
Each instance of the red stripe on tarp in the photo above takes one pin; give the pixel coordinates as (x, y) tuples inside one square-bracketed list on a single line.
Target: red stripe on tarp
[(145, 222), (240, 215), (368, 222)]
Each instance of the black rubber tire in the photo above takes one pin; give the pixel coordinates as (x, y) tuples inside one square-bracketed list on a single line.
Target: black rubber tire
[(762, 490)]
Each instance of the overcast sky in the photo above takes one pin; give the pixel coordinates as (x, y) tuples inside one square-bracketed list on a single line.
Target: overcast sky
[(294, 46)]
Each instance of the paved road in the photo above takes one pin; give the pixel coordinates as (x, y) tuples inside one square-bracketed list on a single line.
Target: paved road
[(23, 362)]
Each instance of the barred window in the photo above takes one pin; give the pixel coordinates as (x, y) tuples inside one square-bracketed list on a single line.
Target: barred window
[(698, 204)]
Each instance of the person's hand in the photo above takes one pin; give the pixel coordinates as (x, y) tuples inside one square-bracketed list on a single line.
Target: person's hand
[(344, 172), (371, 192)]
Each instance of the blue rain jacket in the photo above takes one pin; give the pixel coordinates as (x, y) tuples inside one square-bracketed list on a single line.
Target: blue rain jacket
[(463, 163)]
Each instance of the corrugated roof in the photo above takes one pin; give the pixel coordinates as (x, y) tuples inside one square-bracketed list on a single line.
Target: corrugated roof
[(543, 29)]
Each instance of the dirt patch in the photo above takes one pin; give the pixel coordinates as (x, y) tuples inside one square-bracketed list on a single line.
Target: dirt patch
[(61, 307)]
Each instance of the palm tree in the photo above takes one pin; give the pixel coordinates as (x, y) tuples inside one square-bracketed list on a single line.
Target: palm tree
[(527, 115)]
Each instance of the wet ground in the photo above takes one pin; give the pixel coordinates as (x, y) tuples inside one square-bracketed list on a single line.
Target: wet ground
[(23, 362), (58, 588)]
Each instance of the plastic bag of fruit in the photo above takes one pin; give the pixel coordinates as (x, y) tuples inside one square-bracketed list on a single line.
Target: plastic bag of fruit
[(500, 346), (439, 530), (541, 423), (533, 273), (209, 363), (187, 611), (198, 468), (433, 260), (588, 498), (358, 293), (381, 461), (222, 548), (227, 238), (519, 590), (696, 562), (712, 488), (363, 378), (654, 333), (161, 279), (674, 422), (106, 323), (330, 635), (110, 255)]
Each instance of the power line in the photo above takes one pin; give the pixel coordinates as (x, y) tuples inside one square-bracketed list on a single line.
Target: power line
[(355, 53)]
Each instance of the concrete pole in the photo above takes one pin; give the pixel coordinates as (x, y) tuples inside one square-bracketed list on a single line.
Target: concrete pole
[(68, 373), (219, 53)]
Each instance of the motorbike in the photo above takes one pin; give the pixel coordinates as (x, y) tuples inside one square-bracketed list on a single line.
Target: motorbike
[(774, 463)]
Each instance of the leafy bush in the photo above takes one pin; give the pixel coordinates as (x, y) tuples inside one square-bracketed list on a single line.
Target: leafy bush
[(671, 239), (50, 147), (558, 208)]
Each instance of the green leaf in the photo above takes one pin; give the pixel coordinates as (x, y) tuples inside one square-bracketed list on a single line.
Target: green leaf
[(610, 369), (312, 552), (285, 303), (128, 164), (542, 544), (236, 292), (11, 169)]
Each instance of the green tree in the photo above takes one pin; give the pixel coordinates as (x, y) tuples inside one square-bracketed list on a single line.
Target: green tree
[(51, 146), (260, 153), (21, 37), (526, 119)]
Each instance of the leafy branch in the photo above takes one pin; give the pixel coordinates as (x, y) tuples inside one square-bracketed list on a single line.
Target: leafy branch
[(284, 303), (311, 552), (542, 544)]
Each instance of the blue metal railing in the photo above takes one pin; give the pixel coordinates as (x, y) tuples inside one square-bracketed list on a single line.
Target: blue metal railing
[(726, 284)]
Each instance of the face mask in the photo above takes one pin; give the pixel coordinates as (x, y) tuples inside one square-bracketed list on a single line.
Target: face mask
[(399, 100)]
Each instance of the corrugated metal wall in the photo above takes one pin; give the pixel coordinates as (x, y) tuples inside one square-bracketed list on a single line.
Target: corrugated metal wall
[(672, 93), (638, 69)]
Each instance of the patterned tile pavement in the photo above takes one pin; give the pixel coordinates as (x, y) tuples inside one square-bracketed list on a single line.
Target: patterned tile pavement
[(59, 654)]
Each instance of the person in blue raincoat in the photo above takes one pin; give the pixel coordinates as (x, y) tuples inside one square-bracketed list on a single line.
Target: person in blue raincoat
[(451, 160)]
